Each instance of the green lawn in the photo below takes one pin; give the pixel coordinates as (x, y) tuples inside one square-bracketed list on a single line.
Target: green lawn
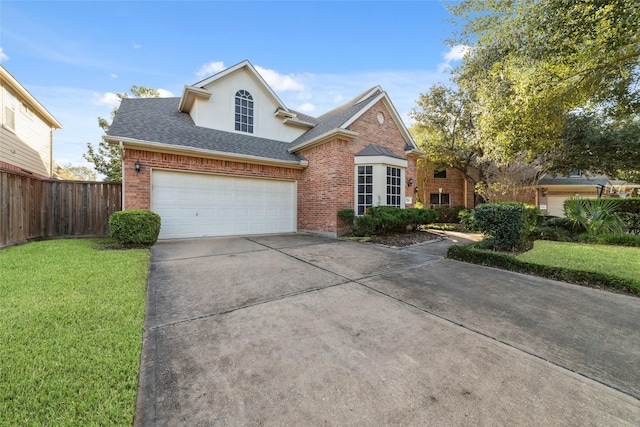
[(71, 320), (619, 261)]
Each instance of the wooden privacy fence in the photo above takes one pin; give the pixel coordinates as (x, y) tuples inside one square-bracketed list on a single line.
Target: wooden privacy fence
[(32, 208)]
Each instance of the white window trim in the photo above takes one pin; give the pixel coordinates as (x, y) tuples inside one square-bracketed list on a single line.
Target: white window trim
[(379, 164), (9, 104)]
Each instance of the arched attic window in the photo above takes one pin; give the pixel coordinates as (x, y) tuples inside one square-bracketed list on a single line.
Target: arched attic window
[(244, 111)]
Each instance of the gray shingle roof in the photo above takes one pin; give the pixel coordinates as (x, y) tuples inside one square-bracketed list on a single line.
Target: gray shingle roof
[(376, 150), (335, 118), (158, 120), (582, 180)]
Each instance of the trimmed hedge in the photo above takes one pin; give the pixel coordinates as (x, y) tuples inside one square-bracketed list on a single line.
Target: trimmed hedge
[(507, 224), (135, 227), (389, 219), (448, 214), (472, 254)]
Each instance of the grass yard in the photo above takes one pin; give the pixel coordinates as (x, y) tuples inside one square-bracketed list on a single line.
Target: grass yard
[(619, 261), (71, 320)]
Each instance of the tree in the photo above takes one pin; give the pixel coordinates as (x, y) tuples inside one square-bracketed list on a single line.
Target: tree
[(74, 173), (106, 158), (445, 129), (592, 142), (532, 62)]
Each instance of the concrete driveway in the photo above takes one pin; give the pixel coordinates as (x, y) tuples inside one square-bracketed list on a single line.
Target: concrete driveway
[(306, 330)]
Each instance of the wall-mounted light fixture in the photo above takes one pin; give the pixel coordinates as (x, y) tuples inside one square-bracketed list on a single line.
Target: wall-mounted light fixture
[(544, 192), (137, 166), (415, 190), (410, 182)]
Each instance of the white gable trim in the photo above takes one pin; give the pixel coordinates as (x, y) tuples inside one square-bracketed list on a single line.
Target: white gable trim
[(252, 72), (369, 94), (394, 115), (189, 95)]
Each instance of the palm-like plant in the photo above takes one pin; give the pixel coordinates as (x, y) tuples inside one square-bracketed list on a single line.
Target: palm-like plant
[(597, 216)]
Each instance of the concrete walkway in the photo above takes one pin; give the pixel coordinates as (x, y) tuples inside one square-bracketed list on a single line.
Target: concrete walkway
[(305, 330)]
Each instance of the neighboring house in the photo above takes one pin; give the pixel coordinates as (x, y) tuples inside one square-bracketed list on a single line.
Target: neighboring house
[(447, 187), (553, 191), (229, 158), (26, 134)]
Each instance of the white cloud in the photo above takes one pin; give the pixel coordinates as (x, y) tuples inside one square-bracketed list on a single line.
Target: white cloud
[(164, 93), (455, 53), (3, 56), (113, 76), (108, 98), (210, 68), (281, 82), (307, 107)]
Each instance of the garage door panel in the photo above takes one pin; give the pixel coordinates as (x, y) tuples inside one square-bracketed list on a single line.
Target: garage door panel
[(199, 205)]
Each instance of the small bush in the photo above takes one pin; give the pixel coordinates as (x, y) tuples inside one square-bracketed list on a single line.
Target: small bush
[(632, 221), (135, 227), (566, 224), (597, 216), (448, 214), (467, 218), (545, 232), (347, 215), (389, 219), (506, 224)]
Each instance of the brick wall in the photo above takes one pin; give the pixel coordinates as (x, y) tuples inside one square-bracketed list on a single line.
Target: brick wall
[(324, 187), (453, 184), (328, 183), (138, 186)]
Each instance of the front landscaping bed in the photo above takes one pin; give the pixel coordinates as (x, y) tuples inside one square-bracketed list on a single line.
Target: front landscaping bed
[(70, 332)]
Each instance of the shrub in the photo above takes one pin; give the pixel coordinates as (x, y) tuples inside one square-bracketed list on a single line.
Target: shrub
[(135, 227), (467, 218), (366, 225), (545, 232), (448, 214), (597, 216), (566, 224), (347, 216), (506, 224), (389, 219)]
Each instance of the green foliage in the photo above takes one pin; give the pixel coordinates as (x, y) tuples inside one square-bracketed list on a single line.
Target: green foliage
[(106, 158), (468, 219), (448, 214), (348, 216), (71, 328), (135, 227), (595, 143), (473, 254), (73, 173), (531, 62), (558, 234), (389, 219), (617, 239), (506, 225), (597, 216), (445, 128), (629, 212)]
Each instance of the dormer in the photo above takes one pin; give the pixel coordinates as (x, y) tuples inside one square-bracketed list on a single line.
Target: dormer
[(239, 100)]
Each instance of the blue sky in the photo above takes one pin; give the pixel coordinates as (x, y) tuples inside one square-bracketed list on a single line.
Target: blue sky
[(74, 55)]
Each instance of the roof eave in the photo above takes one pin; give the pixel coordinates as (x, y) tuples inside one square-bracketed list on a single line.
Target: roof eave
[(337, 133), (189, 95), (15, 85), (212, 154)]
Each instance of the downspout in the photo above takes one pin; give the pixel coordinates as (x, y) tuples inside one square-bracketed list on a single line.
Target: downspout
[(122, 173)]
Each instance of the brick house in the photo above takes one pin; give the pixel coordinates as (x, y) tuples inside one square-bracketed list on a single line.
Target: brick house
[(229, 158)]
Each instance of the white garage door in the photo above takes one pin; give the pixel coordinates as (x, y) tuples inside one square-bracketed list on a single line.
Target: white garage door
[(198, 205), (555, 205)]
